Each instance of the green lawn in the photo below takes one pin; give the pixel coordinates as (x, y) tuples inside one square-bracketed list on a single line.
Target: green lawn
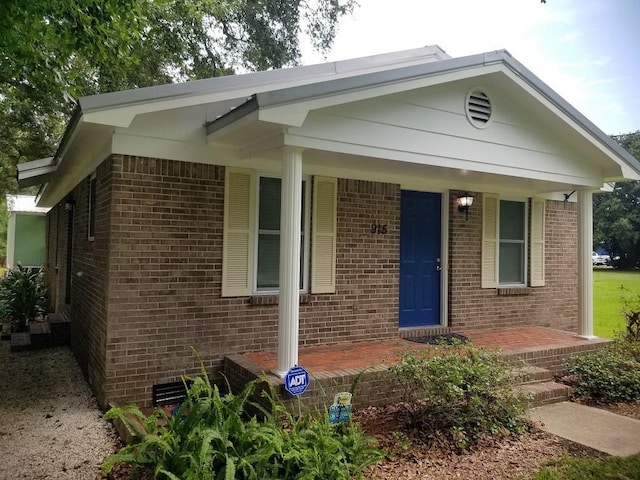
[(607, 296), (614, 468)]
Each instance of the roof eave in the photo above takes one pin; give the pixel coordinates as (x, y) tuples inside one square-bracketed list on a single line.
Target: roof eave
[(35, 172)]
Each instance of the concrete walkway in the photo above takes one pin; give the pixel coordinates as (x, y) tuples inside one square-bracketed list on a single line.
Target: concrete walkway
[(593, 427)]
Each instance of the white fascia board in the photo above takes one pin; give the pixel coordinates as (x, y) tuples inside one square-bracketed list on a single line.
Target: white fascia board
[(35, 172), (120, 108), (628, 173), (62, 184)]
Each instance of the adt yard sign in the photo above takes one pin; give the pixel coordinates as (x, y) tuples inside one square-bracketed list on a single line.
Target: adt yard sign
[(296, 381)]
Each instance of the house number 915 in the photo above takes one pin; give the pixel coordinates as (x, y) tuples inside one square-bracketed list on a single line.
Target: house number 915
[(378, 228)]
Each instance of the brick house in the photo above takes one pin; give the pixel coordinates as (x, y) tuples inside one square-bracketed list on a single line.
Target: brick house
[(318, 204)]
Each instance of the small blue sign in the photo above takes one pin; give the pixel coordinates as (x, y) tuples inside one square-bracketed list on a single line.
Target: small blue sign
[(339, 413), (296, 381)]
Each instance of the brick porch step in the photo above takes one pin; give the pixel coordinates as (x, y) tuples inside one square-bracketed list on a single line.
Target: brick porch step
[(531, 374), (547, 392)]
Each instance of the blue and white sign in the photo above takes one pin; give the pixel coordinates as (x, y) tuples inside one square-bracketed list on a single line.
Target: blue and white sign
[(340, 411), (296, 381)]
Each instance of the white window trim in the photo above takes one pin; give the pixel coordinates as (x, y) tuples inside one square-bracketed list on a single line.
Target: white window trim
[(90, 233), (305, 247), (525, 257)]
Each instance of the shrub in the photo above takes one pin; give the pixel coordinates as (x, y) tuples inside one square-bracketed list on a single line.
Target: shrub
[(609, 375), (213, 436), (23, 296), (461, 394), (631, 313)]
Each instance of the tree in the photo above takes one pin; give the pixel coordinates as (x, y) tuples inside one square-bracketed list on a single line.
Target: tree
[(128, 43), (53, 51), (617, 214)]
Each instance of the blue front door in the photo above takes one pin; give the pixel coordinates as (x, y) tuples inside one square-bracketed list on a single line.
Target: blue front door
[(420, 236)]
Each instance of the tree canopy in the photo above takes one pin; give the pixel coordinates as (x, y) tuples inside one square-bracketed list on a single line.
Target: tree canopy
[(616, 215), (54, 51)]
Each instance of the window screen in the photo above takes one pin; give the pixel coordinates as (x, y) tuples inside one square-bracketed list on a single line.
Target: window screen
[(512, 243), (268, 261)]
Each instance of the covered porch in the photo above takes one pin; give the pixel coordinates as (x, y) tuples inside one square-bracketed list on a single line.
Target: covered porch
[(334, 367)]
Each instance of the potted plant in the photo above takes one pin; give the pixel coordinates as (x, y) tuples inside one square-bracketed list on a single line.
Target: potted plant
[(23, 296)]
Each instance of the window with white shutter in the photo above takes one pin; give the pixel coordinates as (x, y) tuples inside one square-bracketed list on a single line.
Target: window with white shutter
[(238, 235), (251, 239), (323, 269), (537, 242), (506, 236), (490, 212)]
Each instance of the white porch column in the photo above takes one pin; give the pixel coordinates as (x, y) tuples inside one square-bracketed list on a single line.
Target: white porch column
[(585, 267), (290, 212)]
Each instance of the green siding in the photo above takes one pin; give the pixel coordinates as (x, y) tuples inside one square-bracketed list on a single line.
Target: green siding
[(30, 240)]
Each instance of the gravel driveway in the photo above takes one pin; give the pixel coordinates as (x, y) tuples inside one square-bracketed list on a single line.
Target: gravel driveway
[(50, 424)]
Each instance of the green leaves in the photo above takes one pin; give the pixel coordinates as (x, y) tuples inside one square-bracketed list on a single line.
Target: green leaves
[(609, 375), (460, 393), (222, 437), (616, 215), (23, 296)]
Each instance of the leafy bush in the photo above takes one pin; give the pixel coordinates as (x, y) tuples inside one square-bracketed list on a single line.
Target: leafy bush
[(213, 436), (461, 394), (609, 375), (23, 296), (631, 313)]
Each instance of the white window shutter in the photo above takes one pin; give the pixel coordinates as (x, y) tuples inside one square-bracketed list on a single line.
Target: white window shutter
[(537, 242), (323, 251), (238, 235), (490, 216)]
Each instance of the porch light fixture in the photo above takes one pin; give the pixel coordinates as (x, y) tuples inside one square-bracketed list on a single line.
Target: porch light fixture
[(464, 202)]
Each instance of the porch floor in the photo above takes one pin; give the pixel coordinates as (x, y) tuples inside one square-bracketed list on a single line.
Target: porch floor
[(346, 356)]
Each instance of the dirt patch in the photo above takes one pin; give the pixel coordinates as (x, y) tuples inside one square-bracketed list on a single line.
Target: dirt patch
[(50, 424), (413, 458)]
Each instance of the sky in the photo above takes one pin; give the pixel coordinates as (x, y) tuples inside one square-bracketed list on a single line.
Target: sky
[(588, 51)]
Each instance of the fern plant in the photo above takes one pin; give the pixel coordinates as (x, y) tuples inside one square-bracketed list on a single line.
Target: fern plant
[(213, 436)]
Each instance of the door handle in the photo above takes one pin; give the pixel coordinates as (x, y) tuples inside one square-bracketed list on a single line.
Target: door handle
[(438, 268)]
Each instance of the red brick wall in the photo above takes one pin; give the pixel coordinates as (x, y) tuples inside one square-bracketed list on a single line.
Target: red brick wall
[(554, 305), (151, 281), (365, 304), (165, 274), (89, 272)]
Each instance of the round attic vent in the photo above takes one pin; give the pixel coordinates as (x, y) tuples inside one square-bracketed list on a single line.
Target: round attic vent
[(478, 108)]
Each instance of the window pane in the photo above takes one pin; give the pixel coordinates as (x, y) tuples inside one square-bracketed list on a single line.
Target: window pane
[(268, 260), (269, 204), (511, 220), (511, 263)]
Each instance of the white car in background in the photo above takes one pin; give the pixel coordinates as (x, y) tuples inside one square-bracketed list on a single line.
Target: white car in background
[(600, 260)]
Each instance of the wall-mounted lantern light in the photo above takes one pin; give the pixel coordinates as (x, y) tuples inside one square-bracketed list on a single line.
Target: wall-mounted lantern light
[(464, 202)]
